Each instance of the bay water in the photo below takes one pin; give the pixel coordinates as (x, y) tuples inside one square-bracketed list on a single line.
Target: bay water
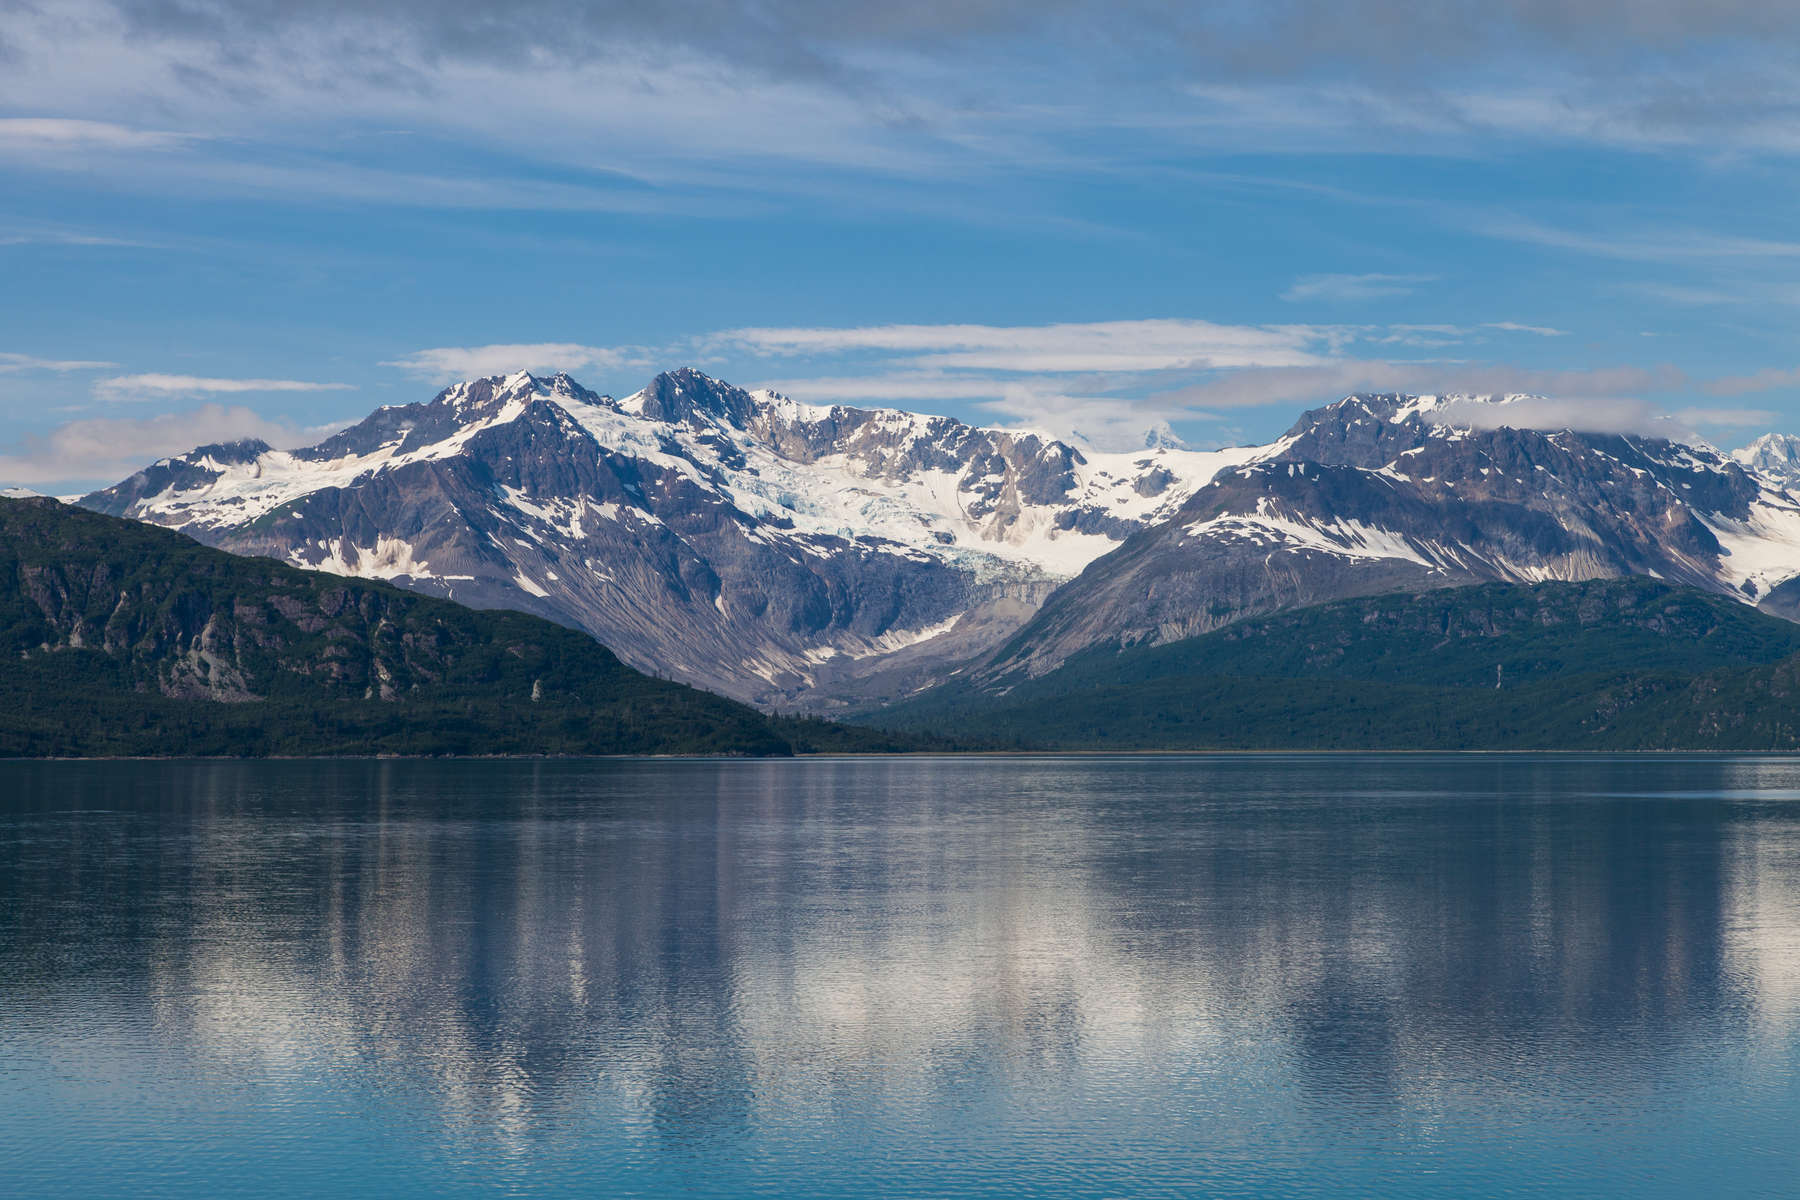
[(1244, 975)]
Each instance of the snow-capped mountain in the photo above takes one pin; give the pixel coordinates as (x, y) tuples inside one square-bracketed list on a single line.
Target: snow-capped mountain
[(1386, 493), (802, 555), (740, 541), (1774, 456)]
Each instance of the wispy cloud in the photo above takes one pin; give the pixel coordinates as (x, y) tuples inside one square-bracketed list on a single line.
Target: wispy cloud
[(1729, 418), (1146, 345), (10, 363), (1672, 245), (1517, 327), (735, 93), (68, 133), (1444, 334), (22, 236), (903, 387), (1111, 380), (444, 364), (97, 451), (1598, 414), (1766, 380), (1603, 414), (1350, 289), (127, 387)]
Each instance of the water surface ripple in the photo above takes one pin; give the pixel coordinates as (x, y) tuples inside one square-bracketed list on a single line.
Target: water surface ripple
[(1162, 976)]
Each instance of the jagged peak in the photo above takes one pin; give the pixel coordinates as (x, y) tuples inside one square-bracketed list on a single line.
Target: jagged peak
[(1774, 457), (1786, 445), (486, 388), (688, 394)]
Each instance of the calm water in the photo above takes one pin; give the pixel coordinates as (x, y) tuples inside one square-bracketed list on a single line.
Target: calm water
[(977, 977)]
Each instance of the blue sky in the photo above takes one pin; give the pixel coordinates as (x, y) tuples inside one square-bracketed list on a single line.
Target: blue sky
[(221, 218)]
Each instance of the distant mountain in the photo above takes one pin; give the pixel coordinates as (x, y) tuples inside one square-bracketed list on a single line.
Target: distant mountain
[(1775, 457), (120, 638), (834, 558), (769, 550), (1389, 493), (1607, 664)]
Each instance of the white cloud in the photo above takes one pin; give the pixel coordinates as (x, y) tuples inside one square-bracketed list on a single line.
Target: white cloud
[(1597, 414), (10, 363), (1111, 380), (97, 451), (647, 93), (1104, 422), (269, 112), (65, 133), (126, 387), (1601, 414), (1145, 345), (27, 236), (1765, 380), (1346, 289), (449, 363), (896, 386), (1516, 327), (1729, 418), (1428, 336)]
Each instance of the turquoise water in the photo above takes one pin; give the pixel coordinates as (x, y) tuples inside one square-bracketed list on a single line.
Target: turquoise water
[(1235, 976)]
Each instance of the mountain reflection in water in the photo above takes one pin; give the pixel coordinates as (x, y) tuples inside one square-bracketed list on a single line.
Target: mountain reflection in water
[(1142, 976)]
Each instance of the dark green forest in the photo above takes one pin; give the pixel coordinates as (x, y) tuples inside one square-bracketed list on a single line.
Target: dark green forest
[(1620, 664), (120, 638)]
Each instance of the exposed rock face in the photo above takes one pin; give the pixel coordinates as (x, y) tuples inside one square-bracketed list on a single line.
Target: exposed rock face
[(777, 552), (1378, 494)]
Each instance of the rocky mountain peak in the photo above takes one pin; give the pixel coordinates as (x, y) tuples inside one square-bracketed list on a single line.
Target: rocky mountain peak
[(690, 397), (1774, 456)]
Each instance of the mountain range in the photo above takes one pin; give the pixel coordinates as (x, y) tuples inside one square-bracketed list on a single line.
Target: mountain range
[(839, 558), (771, 551), (1388, 493)]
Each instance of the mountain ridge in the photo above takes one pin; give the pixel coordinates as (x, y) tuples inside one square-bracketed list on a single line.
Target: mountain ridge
[(833, 557), (738, 540), (1619, 664), (1373, 495), (117, 637)]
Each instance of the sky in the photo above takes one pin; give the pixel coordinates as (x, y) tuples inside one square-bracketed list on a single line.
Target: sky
[(231, 218)]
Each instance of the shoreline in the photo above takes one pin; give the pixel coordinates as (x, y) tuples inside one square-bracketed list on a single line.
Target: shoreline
[(901, 754)]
